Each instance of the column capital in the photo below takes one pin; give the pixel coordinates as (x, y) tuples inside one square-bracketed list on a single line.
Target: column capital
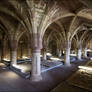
[(13, 45), (68, 44), (45, 48), (36, 42)]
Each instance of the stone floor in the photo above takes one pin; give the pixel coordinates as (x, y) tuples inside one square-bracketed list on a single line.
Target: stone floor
[(80, 81), (66, 87), (45, 65), (11, 82), (83, 77)]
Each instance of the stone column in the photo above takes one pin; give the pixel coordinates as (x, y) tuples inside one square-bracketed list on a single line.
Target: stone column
[(67, 53), (21, 50), (3, 46), (85, 52), (3, 50), (13, 52), (45, 54), (79, 53), (29, 51), (90, 46), (36, 48), (57, 52), (60, 53), (13, 57), (36, 69)]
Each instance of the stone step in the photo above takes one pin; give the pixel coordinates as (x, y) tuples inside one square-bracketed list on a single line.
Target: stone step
[(18, 71)]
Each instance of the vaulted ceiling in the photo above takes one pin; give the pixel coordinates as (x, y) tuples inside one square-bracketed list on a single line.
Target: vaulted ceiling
[(63, 18)]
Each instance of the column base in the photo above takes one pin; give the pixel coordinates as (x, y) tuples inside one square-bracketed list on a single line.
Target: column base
[(67, 64), (12, 64), (36, 78), (80, 59), (44, 60), (86, 57)]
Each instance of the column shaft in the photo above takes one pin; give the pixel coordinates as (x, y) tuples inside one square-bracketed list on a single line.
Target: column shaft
[(79, 54), (3, 47), (60, 53), (67, 57), (36, 69), (29, 53), (85, 52), (36, 45), (67, 54), (13, 51), (45, 55), (13, 57)]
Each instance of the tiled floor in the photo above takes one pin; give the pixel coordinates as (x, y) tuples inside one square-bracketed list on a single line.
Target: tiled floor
[(11, 82)]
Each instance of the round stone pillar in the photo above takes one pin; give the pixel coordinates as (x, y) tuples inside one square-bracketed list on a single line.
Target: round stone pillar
[(67, 57), (45, 55), (3, 50), (57, 52), (60, 53), (3, 47), (79, 54), (13, 52), (13, 57), (36, 45), (36, 68), (29, 51), (67, 54), (85, 52)]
